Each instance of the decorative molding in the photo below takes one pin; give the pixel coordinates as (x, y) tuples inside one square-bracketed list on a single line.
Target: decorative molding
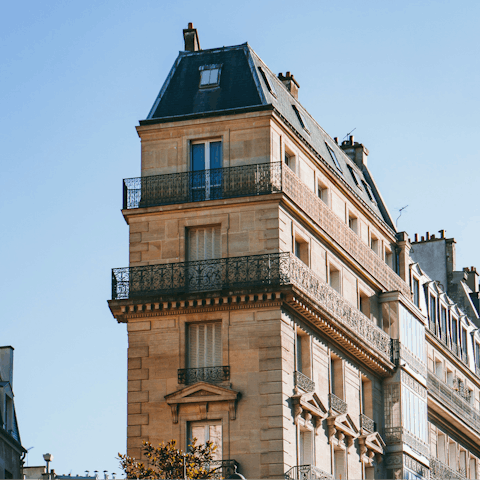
[(372, 447), (307, 406), (341, 431), (202, 394)]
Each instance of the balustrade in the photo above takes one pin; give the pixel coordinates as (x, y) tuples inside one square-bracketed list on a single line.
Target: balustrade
[(400, 352), (222, 468), (304, 382), (454, 400), (394, 435), (440, 471), (307, 472), (337, 404), (189, 376), (274, 269), (258, 179), (367, 423)]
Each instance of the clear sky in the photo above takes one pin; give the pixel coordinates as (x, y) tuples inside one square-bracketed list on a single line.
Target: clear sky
[(77, 76)]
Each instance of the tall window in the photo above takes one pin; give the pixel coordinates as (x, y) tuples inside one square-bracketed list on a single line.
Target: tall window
[(464, 341), (306, 447), (433, 313), (416, 292), (204, 243), (204, 345), (207, 431), (206, 164), (443, 320)]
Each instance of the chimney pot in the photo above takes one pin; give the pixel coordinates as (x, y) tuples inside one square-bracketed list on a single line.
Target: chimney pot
[(190, 36), (442, 233), (336, 140), (428, 236), (416, 237), (352, 139), (432, 237), (423, 238)]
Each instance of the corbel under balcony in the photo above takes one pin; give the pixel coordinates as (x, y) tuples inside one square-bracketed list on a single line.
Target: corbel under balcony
[(372, 447), (342, 432), (307, 407)]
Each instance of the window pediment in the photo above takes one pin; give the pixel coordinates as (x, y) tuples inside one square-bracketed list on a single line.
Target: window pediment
[(308, 406), (342, 431), (202, 394), (371, 447)]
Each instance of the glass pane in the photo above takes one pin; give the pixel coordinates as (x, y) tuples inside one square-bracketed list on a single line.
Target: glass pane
[(198, 432), (198, 157), (216, 155), (204, 77), (216, 438), (214, 76)]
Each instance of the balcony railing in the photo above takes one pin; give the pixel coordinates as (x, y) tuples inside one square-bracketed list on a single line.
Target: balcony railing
[(259, 179), (400, 352), (440, 471), (274, 269), (337, 404), (454, 401), (304, 382), (223, 468), (187, 376), (394, 435), (367, 423), (307, 472), (197, 186)]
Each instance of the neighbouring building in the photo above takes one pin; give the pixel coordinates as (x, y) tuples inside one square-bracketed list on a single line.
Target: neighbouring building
[(11, 450), (270, 304)]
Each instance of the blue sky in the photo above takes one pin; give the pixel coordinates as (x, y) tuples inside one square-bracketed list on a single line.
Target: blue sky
[(77, 76)]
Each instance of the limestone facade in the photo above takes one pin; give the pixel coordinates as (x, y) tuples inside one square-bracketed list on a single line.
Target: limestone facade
[(271, 306)]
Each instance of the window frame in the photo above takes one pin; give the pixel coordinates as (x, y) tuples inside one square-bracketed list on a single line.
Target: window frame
[(206, 68), (334, 158)]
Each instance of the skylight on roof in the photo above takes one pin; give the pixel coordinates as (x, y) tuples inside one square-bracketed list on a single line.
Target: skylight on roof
[(270, 86), (369, 191), (354, 176), (209, 75), (301, 119), (334, 158)]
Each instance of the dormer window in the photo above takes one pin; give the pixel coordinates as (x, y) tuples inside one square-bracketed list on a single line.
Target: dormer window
[(354, 176), (301, 118), (269, 85), (369, 191), (209, 76), (334, 158)]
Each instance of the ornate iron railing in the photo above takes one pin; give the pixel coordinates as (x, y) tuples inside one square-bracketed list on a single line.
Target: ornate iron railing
[(395, 435), (273, 269), (440, 471), (307, 472), (259, 179), (187, 376), (337, 404), (303, 382), (222, 468), (400, 352), (451, 398), (460, 388), (197, 186), (367, 423)]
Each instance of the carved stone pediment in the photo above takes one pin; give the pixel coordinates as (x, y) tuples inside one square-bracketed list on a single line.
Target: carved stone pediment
[(202, 394), (308, 407), (342, 431), (372, 447)]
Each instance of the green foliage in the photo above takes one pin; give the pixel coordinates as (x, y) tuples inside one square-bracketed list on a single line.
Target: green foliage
[(167, 462)]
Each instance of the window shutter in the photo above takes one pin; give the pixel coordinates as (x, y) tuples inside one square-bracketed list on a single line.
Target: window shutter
[(204, 243), (204, 345)]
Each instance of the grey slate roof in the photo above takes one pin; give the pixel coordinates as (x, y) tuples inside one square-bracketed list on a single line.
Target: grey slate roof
[(241, 88)]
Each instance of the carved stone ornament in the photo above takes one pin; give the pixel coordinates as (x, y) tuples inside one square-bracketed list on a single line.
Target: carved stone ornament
[(342, 432), (371, 447), (307, 407), (202, 394)]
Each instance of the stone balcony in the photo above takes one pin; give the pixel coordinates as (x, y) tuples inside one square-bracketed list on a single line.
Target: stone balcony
[(337, 404), (256, 273), (254, 180), (441, 471), (302, 381), (189, 376), (454, 401)]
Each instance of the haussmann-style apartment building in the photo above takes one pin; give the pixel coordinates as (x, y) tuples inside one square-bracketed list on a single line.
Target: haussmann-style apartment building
[(270, 303)]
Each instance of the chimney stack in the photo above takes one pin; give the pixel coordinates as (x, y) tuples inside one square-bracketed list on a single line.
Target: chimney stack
[(190, 35), (290, 83), (356, 151), (472, 278)]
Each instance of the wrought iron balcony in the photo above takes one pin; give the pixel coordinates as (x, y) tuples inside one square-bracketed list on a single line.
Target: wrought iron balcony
[(440, 471), (197, 186), (367, 423), (400, 352), (337, 404), (187, 376), (454, 401), (274, 269), (259, 179), (307, 472), (394, 435), (303, 382), (223, 468)]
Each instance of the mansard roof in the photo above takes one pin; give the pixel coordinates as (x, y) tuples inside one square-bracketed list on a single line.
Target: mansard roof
[(242, 88)]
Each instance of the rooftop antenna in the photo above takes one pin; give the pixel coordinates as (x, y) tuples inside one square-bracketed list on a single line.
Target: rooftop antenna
[(400, 210), (349, 133), (28, 451)]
